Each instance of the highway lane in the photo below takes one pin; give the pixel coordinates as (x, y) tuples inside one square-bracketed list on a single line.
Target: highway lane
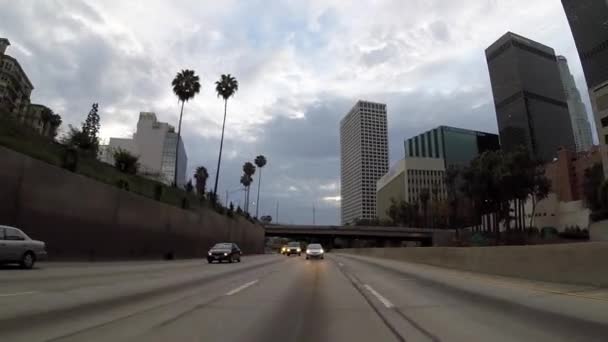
[(276, 298)]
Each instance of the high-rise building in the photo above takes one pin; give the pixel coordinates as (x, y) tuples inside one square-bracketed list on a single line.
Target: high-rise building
[(154, 142), (15, 86), (530, 102), (407, 179), (455, 146), (589, 24), (578, 114), (364, 159)]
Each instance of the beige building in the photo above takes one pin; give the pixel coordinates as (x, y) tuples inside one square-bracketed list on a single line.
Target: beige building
[(407, 179), (15, 86), (154, 143)]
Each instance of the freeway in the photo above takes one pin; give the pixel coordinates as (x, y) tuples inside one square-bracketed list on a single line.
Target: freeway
[(278, 298)]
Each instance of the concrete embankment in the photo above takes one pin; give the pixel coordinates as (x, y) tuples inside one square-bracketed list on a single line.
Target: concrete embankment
[(81, 218), (575, 263)]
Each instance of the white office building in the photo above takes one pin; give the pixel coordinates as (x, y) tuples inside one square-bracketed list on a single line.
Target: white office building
[(154, 142), (364, 159), (581, 128)]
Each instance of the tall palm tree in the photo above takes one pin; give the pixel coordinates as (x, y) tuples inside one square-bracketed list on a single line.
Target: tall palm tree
[(260, 162), (424, 200), (246, 180), (201, 175), (225, 87), (248, 170), (45, 117), (185, 86)]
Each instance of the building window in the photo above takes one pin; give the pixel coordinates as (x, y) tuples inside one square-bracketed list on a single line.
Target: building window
[(604, 121)]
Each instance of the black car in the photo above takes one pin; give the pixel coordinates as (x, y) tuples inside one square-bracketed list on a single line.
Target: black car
[(224, 251)]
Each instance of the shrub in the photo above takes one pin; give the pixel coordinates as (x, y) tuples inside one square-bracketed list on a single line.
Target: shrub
[(123, 184), (158, 191), (184, 203), (125, 162), (69, 159), (549, 232)]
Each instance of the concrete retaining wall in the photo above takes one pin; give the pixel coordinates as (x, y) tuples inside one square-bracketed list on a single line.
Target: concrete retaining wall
[(576, 263), (79, 217), (598, 231)]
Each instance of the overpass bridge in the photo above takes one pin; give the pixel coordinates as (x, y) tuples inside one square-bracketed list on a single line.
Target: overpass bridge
[(347, 236)]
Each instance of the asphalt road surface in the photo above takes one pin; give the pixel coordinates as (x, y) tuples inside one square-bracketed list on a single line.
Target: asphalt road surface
[(278, 298)]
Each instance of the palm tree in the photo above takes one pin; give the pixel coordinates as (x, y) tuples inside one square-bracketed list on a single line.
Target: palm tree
[(185, 86), (54, 121), (45, 117), (246, 180), (451, 175), (249, 170), (225, 87), (260, 161), (201, 175), (424, 200)]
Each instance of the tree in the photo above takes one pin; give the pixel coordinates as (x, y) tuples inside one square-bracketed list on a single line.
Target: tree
[(79, 140), (539, 190), (200, 176), (249, 170), (424, 201), (393, 212), (246, 180), (125, 162), (90, 128), (226, 87), (55, 121), (185, 86), (594, 176), (451, 175), (189, 186), (260, 162), (45, 116)]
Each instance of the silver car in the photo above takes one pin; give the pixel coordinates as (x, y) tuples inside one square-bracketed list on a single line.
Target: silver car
[(17, 247), (314, 250)]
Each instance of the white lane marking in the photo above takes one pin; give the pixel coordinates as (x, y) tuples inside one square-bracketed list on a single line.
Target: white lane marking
[(17, 294), (241, 288), (383, 300), (340, 264)]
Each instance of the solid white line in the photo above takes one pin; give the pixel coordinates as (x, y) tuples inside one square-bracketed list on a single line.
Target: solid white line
[(241, 288), (17, 294), (340, 264), (384, 301)]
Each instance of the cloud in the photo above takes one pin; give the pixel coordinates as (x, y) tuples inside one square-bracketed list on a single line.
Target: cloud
[(300, 65)]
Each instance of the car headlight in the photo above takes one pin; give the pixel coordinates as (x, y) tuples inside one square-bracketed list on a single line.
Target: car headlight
[(225, 254), (299, 250), (322, 251), (308, 251), (208, 253)]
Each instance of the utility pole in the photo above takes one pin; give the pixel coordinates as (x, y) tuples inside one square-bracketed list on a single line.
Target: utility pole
[(313, 214), (277, 213)]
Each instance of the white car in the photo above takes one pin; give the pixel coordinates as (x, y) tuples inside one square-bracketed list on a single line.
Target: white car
[(314, 250), (17, 247)]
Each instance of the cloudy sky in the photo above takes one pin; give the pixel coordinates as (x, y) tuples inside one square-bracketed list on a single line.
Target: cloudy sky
[(301, 65)]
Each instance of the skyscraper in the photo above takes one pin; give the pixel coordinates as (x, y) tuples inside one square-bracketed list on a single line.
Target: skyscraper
[(530, 102), (364, 159), (578, 114), (589, 24)]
